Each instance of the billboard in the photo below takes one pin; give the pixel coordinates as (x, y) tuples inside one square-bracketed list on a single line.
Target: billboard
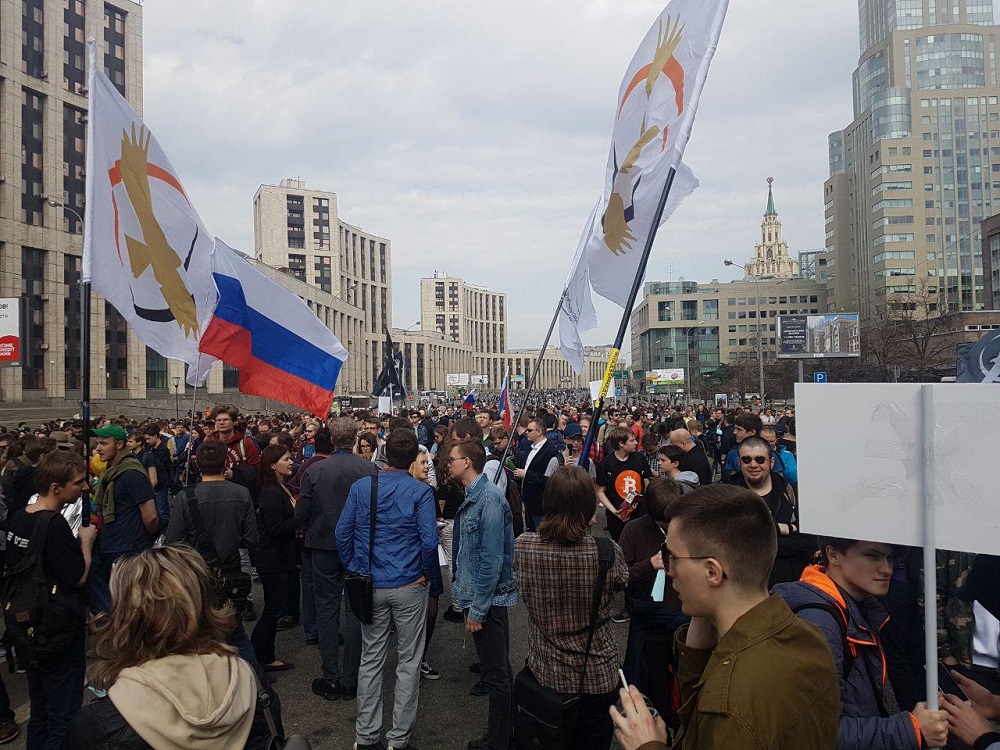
[(10, 329), (673, 376), (480, 380), (818, 336), (456, 378)]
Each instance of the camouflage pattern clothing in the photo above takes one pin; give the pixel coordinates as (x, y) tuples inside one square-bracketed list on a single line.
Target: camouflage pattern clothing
[(956, 624)]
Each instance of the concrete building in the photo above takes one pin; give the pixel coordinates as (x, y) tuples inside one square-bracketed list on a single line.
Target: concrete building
[(300, 229), (918, 169), (697, 327), (44, 105), (991, 261)]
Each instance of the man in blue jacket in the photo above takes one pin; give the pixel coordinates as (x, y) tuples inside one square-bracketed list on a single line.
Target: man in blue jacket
[(403, 559), (483, 551)]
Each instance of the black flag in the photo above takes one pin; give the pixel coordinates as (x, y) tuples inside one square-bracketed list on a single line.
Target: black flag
[(392, 372)]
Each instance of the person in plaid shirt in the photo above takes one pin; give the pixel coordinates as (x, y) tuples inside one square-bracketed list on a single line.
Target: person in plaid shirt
[(555, 569)]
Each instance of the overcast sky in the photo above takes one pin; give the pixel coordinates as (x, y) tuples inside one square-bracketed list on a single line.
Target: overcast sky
[(475, 135)]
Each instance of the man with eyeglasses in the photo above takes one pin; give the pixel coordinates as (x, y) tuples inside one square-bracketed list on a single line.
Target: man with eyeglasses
[(534, 469), (795, 550), (751, 673)]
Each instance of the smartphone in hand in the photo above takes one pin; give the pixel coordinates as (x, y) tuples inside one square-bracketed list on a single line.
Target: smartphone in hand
[(947, 683)]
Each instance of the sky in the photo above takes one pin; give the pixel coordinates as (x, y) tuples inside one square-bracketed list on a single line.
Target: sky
[(475, 135)]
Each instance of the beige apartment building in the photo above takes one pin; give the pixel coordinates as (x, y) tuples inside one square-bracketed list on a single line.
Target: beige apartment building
[(916, 172), (299, 230), (43, 97)]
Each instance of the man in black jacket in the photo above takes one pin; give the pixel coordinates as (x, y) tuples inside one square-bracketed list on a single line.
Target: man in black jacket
[(534, 469), (324, 489), (795, 550), (694, 458)]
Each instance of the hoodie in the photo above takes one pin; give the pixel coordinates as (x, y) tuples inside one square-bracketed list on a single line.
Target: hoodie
[(188, 701)]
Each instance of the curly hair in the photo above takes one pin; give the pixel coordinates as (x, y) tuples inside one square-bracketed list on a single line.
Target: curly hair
[(164, 601)]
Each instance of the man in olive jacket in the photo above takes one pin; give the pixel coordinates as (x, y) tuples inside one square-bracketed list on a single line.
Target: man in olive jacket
[(751, 673)]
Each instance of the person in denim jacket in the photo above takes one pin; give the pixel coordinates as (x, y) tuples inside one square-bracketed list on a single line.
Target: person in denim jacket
[(483, 554)]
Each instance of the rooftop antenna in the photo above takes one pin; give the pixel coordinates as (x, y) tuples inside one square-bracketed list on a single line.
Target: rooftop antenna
[(670, 272)]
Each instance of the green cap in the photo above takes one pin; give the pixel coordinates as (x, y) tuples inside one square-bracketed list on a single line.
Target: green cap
[(111, 431)]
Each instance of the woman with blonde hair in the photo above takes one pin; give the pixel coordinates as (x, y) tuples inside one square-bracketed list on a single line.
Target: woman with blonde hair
[(161, 655)]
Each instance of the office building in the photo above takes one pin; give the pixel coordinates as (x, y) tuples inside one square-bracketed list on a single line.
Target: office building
[(918, 169), (299, 230), (44, 102), (991, 262)]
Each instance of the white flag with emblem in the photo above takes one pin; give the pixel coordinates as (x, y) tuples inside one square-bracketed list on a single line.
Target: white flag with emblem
[(145, 249), (655, 112)]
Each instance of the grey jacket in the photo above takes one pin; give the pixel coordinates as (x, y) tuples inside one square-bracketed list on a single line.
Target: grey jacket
[(323, 493)]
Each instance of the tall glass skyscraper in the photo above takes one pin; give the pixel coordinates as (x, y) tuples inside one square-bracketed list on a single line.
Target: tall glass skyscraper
[(918, 169)]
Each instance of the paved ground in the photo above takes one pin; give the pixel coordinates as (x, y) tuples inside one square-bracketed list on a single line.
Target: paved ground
[(448, 715)]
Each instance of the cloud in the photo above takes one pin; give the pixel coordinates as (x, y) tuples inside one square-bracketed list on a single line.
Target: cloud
[(475, 136)]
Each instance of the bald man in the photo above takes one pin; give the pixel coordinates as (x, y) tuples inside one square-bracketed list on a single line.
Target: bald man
[(695, 459)]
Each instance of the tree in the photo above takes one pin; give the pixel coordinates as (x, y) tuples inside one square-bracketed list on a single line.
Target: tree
[(920, 324)]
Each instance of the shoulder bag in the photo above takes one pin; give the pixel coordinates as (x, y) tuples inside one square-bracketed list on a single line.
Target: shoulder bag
[(360, 587), (544, 718), (234, 585)]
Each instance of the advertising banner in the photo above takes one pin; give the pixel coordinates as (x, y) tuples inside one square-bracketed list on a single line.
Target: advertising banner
[(818, 336), (673, 376), (10, 329)]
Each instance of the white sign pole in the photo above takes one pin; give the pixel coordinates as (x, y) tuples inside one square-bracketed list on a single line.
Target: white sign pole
[(926, 474)]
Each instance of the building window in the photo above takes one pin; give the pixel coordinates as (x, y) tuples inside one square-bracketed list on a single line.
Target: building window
[(32, 105), (114, 46), (297, 266), (156, 370), (33, 290), (74, 166), (71, 313), (74, 70), (664, 312), (115, 347), (33, 38), (230, 376)]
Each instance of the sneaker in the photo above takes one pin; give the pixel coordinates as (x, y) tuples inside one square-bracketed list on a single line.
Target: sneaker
[(479, 689), (426, 670), (9, 730), (620, 617), (287, 622), (329, 689)]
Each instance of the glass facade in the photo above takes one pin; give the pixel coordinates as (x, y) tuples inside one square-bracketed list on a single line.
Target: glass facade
[(114, 46), (115, 347), (71, 312), (33, 291), (891, 114), (950, 61), (156, 370)]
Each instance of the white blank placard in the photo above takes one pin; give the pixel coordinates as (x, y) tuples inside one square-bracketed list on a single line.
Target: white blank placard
[(858, 458)]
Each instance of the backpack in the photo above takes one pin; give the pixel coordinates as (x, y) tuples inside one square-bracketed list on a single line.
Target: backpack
[(513, 495), (840, 618), (43, 618)]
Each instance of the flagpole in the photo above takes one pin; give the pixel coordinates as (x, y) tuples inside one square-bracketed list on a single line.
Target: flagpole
[(531, 383), (626, 315)]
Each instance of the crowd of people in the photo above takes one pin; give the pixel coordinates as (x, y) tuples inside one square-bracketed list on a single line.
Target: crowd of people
[(137, 568)]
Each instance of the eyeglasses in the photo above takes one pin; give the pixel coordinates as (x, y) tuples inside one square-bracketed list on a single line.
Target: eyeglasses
[(669, 557), (456, 458), (750, 459)]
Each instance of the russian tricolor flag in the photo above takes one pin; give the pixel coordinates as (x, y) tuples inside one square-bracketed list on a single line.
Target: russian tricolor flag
[(283, 351), (506, 408), (470, 401)]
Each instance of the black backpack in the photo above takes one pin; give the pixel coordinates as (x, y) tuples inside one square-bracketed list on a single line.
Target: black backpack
[(43, 618)]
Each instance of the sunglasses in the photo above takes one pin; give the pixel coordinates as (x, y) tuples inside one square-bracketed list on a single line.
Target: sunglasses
[(750, 459)]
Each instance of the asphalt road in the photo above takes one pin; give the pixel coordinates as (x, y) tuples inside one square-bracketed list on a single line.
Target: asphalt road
[(448, 715)]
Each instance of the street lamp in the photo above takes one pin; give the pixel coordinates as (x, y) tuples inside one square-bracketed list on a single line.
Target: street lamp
[(176, 380), (760, 335), (84, 338)]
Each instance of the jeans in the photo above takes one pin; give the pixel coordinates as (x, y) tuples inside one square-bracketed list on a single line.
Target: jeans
[(407, 608), (56, 694), (99, 579), (238, 639), (328, 589), (6, 713), (649, 671), (275, 595), (308, 596), (493, 649), (161, 500), (593, 722)]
